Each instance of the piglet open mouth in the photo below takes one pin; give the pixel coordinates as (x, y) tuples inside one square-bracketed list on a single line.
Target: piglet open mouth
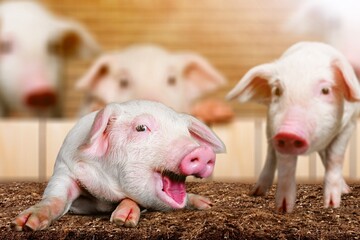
[(173, 190)]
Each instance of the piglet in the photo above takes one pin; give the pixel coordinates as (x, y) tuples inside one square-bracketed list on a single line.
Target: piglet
[(144, 71), (34, 44), (336, 22), (312, 95), (127, 155)]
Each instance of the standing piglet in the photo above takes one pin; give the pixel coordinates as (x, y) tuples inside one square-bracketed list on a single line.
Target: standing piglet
[(129, 154), (150, 72), (33, 46), (312, 95)]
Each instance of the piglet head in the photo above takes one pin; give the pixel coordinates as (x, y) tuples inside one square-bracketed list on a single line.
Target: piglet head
[(307, 92), (149, 149), (194, 154)]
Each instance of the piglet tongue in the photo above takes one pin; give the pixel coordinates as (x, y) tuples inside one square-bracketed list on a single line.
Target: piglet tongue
[(176, 190)]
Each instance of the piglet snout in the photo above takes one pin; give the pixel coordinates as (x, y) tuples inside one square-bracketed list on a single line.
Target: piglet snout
[(42, 98), (37, 91), (289, 143), (199, 162)]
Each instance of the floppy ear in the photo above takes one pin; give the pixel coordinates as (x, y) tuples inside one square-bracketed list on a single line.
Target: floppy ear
[(74, 40), (254, 86), (97, 142), (348, 76), (199, 75), (204, 135), (96, 72)]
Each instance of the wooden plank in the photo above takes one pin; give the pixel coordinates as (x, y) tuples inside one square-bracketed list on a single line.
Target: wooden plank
[(19, 149), (56, 131)]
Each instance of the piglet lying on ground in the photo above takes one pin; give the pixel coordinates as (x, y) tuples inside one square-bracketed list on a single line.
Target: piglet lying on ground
[(129, 154), (312, 94)]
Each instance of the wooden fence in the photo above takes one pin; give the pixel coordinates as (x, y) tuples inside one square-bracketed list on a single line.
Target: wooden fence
[(28, 149)]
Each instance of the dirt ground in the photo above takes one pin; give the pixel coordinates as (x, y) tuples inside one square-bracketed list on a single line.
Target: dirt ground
[(235, 215)]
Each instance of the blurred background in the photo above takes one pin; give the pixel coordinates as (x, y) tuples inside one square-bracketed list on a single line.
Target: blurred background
[(233, 36)]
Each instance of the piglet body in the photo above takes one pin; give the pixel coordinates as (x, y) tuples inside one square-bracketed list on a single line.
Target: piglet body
[(129, 154), (312, 95)]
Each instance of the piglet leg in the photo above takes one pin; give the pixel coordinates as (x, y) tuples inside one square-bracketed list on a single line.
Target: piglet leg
[(39, 216), (333, 159), (344, 187), (198, 202), (59, 194), (126, 214), (286, 188), (267, 174)]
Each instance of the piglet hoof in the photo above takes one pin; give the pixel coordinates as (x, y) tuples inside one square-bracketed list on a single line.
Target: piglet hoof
[(345, 188), (126, 214), (259, 190), (283, 206), (35, 218), (198, 202), (332, 199)]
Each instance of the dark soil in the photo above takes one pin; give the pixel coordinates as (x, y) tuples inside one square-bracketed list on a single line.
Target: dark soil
[(235, 215)]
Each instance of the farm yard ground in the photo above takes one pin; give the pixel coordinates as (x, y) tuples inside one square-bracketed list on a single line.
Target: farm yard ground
[(234, 215)]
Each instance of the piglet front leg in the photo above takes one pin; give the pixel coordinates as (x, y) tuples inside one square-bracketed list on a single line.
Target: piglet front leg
[(198, 202), (39, 216), (126, 214), (58, 197), (286, 188), (267, 174), (333, 159)]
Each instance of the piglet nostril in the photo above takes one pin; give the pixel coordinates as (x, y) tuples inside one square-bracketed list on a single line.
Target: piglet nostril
[(281, 143), (298, 144), (194, 160)]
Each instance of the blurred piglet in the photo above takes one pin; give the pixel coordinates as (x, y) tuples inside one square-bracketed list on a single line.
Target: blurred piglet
[(33, 46), (127, 155), (337, 22), (150, 72), (312, 95)]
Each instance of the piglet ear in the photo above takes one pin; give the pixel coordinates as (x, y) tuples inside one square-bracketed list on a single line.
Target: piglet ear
[(348, 77), (97, 142), (97, 71), (199, 75), (254, 86), (204, 135), (75, 41)]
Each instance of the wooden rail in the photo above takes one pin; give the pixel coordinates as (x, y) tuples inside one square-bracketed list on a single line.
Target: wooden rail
[(28, 149)]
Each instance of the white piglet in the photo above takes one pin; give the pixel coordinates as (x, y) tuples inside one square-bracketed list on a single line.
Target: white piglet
[(336, 22), (149, 72), (312, 95), (34, 44), (125, 155)]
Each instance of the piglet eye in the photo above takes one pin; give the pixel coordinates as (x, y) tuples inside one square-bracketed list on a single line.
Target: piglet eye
[(277, 91), (141, 128), (325, 91), (171, 81), (124, 83), (5, 47)]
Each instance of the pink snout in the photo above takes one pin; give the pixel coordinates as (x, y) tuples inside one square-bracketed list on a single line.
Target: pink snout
[(290, 143), (37, 89), (40, 98), (199, 162)]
